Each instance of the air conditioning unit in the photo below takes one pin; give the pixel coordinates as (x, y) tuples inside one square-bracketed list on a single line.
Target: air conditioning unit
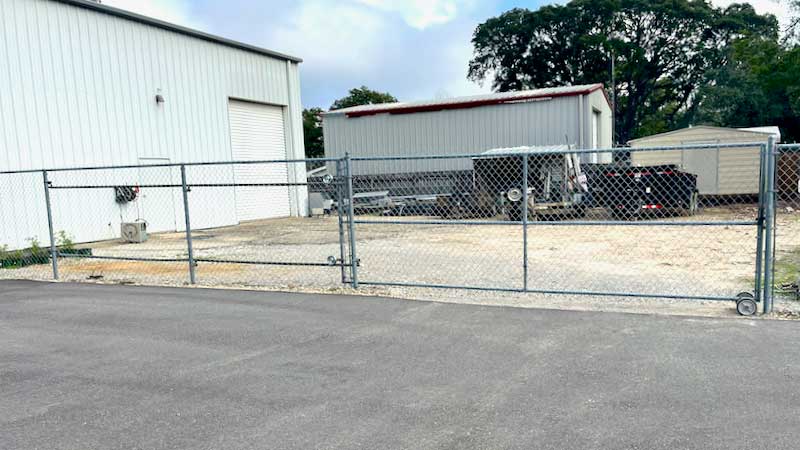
[(135, 232)]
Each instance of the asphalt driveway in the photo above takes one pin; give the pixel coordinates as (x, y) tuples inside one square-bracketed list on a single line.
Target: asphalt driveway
[(116, 367)]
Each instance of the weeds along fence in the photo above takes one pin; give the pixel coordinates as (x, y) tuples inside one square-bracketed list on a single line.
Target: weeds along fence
[(661, 222)]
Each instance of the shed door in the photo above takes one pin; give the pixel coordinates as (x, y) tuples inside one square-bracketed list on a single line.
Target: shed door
[(705, 164), (257, 133)]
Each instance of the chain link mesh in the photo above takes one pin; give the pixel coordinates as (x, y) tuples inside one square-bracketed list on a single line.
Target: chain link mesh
[(672, 223), (24, 233), (600, 228), (787, 239)]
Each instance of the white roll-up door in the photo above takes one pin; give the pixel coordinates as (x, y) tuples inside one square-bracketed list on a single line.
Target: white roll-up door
[(257, 133)]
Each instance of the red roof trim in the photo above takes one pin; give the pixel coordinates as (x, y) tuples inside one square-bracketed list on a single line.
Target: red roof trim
[(475, 103)]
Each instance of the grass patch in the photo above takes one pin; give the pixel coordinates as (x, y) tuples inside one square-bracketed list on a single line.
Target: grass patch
[(787, 268)]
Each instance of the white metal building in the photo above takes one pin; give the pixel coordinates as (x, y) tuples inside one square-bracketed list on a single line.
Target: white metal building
[(725, 171), (579, 116), (85, 84)]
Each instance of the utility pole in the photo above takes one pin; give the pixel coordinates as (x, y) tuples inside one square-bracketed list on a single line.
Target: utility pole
[(613, 102)]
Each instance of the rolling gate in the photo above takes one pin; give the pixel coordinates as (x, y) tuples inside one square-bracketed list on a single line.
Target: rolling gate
[(509, 222), (512, 267)]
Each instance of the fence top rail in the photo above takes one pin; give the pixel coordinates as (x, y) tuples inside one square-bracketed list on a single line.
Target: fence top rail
[(189, 164), (535, 152), (795, 146), (399, 158)]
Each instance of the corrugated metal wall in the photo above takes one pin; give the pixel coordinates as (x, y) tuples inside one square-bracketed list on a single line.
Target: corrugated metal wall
[(79, 86), (457, 131)]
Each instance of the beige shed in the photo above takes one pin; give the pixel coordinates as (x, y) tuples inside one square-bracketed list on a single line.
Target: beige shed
[(720, 171)]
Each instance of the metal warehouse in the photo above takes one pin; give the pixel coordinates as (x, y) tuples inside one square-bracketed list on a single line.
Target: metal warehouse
[(730, 171), (579, 116), (89, 85)]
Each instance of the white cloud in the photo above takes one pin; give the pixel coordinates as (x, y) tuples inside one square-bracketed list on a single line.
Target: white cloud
[(345, 38), (172, 11), (414, 49), (421, 14)]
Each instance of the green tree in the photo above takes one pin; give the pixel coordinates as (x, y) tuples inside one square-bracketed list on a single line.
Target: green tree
[(758, 85), (362, 96), (662, 51), (312, 133)]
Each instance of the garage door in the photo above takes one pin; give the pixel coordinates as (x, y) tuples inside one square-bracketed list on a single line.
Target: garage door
[(257, 133)]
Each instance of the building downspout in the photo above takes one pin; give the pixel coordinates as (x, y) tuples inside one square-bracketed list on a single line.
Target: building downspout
[(581, 128)]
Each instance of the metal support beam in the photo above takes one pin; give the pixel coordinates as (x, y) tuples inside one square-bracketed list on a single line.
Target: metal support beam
[(352, 227), (760, 227), (189, 246), (769, 263), (53, 249), (339, 182), (525, 222)]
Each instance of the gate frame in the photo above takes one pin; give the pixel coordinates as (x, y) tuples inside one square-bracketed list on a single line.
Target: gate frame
[(763, 223)]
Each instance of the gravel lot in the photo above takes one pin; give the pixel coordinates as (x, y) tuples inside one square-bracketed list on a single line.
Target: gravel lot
[(698, 261)]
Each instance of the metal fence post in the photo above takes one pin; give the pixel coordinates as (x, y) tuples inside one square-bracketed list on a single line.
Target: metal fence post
[(353, 257), (338, 182), (53, 249), (762, 178), (525, 222), (769, 226), (190, 248)]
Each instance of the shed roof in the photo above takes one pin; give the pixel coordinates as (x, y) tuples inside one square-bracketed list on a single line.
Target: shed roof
[(527, 150), (176, 28), (775, 131), (470, 101), (770, 130)]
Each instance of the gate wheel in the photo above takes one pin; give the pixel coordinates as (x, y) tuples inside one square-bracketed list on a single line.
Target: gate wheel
[(746, 307)]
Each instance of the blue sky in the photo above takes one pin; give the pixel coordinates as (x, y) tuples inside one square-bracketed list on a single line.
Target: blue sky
[(414, 49)]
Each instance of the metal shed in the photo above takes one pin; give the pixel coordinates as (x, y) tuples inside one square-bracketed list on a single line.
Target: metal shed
[(730, 171), (90, 85), (579, 116)]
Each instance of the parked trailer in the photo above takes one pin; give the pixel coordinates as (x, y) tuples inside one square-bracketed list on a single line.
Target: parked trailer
[(556, 186), (632, 192)]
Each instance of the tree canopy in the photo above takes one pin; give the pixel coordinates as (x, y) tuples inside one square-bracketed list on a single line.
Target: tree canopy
[(312, 117), (312, 133), (362, 96), (664, 51), (759, 84)]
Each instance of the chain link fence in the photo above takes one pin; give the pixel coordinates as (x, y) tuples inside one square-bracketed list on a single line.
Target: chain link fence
[(787, 247), (537, 220), (649, 222)]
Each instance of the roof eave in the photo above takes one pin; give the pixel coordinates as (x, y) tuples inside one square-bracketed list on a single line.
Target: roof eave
[(121, 13), (411, 109)]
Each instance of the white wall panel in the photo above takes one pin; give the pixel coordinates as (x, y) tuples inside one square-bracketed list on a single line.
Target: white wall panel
[(79, 89)]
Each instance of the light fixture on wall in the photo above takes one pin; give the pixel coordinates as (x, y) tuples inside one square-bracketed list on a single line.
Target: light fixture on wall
[(159, 97)]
